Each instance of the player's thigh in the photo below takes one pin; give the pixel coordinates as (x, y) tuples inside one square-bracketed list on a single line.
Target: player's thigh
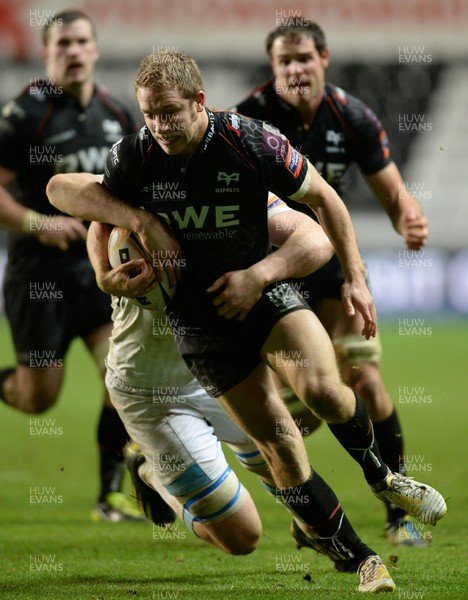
[(301, 353), (227, 431), (198, 399), (254, 404), (179, 444)]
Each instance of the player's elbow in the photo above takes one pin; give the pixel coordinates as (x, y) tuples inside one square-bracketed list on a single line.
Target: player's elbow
[(325, 250), (54, 190), (320, 252)]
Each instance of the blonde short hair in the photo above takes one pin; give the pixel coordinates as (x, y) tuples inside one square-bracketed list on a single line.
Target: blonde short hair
[(169, 69)]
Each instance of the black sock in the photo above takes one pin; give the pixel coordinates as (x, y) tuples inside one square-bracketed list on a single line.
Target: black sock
[(390, 439), (315, 503), (357, 437), (4, 373), (112, 437)]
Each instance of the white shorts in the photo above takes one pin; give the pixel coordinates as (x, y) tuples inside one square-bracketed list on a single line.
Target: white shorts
[(179, 431)]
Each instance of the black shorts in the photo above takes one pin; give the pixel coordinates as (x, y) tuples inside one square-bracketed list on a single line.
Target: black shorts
[(223, 356), (326, 282), (46, 312)]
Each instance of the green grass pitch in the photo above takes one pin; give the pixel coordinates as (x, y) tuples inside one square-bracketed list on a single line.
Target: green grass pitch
[(56, 552)]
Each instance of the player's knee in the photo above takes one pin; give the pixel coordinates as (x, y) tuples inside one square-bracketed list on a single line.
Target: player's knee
[(244, 541), (326, 399), (303, 417), (30, 398), (33, 390), (242, 531)]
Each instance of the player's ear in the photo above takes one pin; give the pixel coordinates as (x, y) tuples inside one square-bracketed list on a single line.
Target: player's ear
[(200, 101), (325, 57)]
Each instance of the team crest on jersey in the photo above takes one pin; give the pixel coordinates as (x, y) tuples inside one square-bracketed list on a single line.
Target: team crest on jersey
[(228, 178), (222, 176)]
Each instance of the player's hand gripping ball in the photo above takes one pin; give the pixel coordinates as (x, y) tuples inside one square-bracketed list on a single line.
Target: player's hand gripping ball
[(123, 246)]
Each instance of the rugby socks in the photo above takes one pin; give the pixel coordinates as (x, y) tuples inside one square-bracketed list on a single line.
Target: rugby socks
[(112, 437), (390, 440), (4, 374), (316, 505), (357, 438)]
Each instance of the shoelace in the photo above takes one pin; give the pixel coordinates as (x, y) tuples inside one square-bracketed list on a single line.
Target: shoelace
[(369, 570), (417, 490)]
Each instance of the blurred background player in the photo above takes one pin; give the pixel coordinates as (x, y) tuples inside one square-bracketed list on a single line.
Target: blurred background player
[(62, 122), (334, 129)]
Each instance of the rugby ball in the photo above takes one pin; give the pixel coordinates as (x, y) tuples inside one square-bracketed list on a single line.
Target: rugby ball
[(125, 245)]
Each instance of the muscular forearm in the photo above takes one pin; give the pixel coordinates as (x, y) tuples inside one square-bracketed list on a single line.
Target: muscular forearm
[(82, 195), (403, 209), (301, 254), (98, 236), (303, 246)]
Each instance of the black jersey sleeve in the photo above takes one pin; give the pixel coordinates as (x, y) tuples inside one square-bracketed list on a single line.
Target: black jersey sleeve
[(372, 152), (284, 169)]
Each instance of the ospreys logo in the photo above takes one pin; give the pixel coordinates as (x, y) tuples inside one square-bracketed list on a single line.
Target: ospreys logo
[(222, 176)]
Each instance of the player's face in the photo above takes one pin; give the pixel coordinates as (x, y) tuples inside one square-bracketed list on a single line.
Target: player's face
[(174, 122), (71, 53), (299, 69)]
